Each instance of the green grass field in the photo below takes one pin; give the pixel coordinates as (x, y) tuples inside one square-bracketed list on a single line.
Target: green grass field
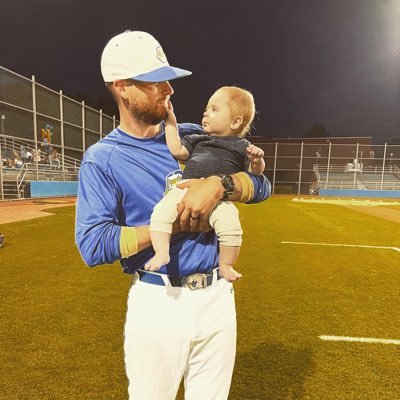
[(62, 323)]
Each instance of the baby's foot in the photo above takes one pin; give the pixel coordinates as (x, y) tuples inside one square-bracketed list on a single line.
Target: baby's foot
[(157, 262), (228, 273)]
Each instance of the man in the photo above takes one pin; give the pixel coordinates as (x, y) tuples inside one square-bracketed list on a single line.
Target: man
[(172, 329)]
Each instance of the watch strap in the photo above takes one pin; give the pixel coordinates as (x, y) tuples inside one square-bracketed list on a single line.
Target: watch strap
[(228, 184)]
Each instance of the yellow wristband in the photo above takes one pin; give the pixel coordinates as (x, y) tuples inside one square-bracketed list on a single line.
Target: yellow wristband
[(247, 187), (128, 241)]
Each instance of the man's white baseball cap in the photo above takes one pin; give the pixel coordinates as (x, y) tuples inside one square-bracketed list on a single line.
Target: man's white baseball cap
[(137, 55)]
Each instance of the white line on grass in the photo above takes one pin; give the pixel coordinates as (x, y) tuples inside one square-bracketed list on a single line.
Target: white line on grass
[(345, 245), (359, 339)]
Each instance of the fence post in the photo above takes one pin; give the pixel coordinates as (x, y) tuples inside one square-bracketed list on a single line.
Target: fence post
[(35, 130), (83, 127), (273, 177), (62, 133), (1, 173), (355, 167), (101, 123), (301, 166), (383, 164), (328, 166)]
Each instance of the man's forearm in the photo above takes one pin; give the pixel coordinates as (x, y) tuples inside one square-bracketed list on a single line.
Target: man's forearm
[(244, 189), (250, 188), (204, 194), (134, 239)]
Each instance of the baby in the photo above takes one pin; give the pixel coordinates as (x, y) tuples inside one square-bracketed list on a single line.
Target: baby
[(222, 151)]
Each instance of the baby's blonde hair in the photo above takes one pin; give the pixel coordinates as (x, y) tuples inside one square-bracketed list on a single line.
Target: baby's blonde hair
[(241, 103)]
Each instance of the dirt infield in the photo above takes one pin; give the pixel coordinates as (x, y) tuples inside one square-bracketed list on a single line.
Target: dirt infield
[(388, 209), (390, 214), (21, 210)]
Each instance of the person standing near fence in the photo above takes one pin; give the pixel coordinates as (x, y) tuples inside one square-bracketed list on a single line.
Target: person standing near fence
[(181, 320)]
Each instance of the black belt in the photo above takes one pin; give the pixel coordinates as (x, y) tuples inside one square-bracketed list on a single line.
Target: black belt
[(193, 282)]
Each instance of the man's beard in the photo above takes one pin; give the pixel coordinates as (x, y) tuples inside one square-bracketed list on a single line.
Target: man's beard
[(148, 114)]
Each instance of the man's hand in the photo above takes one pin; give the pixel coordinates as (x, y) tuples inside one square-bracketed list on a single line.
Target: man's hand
[(197, 204)]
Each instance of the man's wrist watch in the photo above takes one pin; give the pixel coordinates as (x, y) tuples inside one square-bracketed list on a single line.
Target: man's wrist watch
[(228, 184)]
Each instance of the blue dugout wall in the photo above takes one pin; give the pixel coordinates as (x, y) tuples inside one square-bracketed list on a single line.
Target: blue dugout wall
[(53, 189)]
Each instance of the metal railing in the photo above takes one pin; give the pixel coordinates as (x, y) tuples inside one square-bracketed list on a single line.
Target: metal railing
[(21, 178), (314, 188), (363, 185), (396, 170), (15, 177), (362, 168)]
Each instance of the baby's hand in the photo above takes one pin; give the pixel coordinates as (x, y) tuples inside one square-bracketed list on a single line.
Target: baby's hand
[(254, 153), (171, 119)]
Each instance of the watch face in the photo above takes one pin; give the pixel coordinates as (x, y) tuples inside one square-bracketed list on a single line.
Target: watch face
[(227, 183)]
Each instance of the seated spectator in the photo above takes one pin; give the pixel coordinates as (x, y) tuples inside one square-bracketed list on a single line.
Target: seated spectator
[(23, 152), (8, 153), (9, 162), (37, 156), (17, 159), (29, 157), (54, 159)]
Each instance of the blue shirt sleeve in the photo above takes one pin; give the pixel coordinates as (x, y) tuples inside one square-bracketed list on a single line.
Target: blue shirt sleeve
[(188, 128), (262, 188), (97, 233)]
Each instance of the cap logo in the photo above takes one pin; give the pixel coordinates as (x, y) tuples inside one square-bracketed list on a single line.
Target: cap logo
[(160, 55)]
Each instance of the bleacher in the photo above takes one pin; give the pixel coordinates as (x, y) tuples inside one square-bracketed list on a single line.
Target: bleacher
[(356, 177), (391, 181), (18, 172), (336, 180)]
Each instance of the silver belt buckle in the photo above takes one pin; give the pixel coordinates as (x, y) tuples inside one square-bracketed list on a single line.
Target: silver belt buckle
[(196, 281)]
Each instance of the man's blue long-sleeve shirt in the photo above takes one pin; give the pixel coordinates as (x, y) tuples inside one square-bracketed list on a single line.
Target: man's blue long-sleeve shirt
[(121, 179)]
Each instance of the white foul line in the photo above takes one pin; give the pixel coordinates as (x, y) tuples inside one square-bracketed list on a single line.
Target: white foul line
[(345, 245), (358, 339)]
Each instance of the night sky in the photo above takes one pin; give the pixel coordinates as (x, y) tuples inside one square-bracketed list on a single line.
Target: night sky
[(334, 62)]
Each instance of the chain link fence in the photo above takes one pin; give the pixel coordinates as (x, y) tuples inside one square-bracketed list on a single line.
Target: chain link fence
[(305, 168), (37, 115), (27, 107)]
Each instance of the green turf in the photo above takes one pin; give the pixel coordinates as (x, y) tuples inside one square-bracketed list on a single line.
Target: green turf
[(61, 323)]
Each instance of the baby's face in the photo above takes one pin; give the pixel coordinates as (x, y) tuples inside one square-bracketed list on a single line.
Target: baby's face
[(217, 117)]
